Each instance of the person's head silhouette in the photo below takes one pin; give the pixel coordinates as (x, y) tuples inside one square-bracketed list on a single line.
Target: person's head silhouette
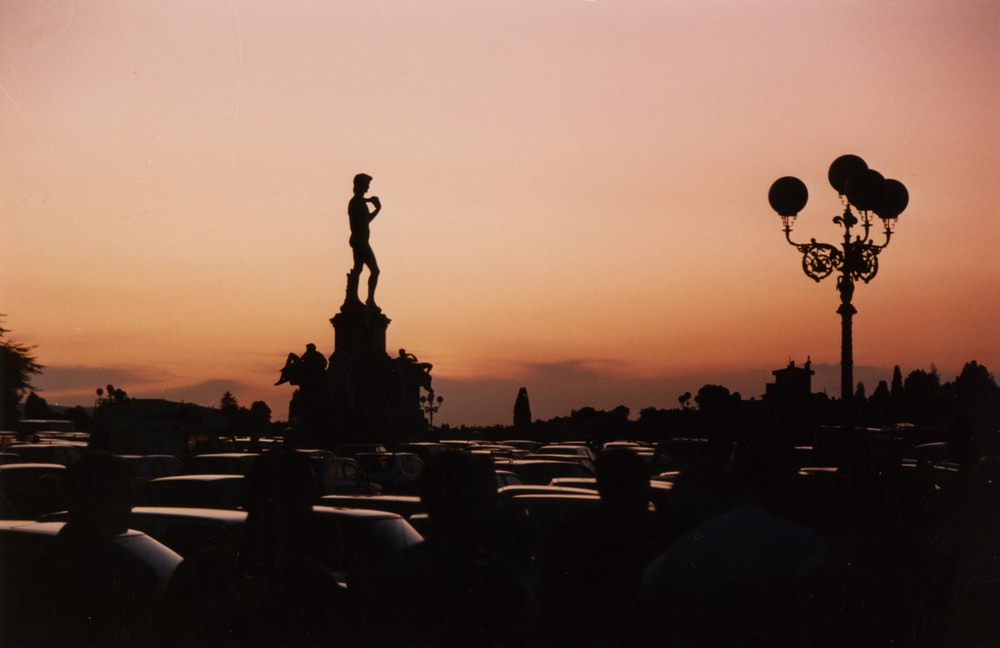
[(99, 488)]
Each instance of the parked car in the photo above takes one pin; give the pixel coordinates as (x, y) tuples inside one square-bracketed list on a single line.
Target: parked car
[(31, 489), (346, 540), (521, 444), (18, 536), (659, 491), (395, 472), (514, 490), (423, 449), (219, 463), (543, 471), (351, 449), (51, 453), (153, 466), (589, 483), (575, 458), (341, 476), (353, 542), (540, 517), (566, 449), (405, 505), (507, 478), (184, 530), (194, 491), (9, 458)]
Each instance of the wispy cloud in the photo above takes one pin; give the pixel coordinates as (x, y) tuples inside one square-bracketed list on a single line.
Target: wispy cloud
[(75, 378)]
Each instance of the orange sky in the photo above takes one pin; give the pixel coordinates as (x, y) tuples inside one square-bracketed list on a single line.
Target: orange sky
[(574, 193)]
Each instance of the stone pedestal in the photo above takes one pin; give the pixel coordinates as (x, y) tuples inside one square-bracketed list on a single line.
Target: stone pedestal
[(364, 395)]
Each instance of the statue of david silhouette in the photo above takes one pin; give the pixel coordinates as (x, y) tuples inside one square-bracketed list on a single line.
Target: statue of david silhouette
[(360, 218)]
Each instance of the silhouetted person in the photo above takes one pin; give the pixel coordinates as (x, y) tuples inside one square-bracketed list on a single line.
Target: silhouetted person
[(360, 217), (973, 619), (459, 587), (591, 570), (263, 589), (746, 577), (83, 589)]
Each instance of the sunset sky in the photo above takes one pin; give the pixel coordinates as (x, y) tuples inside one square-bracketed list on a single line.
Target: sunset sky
[(574, 193)]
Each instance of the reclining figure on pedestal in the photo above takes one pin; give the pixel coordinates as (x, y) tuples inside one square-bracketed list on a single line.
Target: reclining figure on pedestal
[(304, 371)]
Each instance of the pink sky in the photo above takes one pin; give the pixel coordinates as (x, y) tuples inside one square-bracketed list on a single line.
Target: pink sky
[(575, 193)]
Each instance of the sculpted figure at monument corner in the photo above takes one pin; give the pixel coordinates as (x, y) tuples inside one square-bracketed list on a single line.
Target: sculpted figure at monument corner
[(305, 370), (360, 218)]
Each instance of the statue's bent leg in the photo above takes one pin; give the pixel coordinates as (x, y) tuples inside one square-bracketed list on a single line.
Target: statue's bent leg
[(372, 282)]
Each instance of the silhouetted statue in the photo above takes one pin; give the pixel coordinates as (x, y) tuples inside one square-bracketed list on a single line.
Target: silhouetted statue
[(264, 588), (83, 588), (408, 363), (360, 217), (303, 371)]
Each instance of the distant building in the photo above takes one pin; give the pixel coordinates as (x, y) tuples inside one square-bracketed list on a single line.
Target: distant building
[(790, 383), (156, 426)]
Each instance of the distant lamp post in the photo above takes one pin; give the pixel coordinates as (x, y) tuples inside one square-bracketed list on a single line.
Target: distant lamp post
[(430, 405), (871, 195)]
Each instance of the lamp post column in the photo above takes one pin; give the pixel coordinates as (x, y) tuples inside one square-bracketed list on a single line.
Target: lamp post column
[(847, 311)]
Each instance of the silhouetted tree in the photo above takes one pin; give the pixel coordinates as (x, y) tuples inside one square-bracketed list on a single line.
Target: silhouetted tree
[(80, 418), (230, 408), (897, 382), (922, 397), (685, 400), (17, 366), (717, 414), (522, 411), (260, 414), (713, 397), (36, 407), (975, 388), (879, 403)]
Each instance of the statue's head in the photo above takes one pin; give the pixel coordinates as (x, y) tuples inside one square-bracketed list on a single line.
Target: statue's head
[(362, 181), (310, 347)]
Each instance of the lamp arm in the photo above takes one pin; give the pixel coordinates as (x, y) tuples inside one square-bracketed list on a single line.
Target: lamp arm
[(801, 247), (888, 235)]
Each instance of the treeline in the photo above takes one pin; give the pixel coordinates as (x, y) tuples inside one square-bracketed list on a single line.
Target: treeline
[(920, 399)]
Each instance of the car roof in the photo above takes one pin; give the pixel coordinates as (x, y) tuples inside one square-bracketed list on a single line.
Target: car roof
[(189, 478), (45, 528), (32, 466), (355, 513), (221, 515), (517, 490), (522, 462), (47, 444), (227, 455)]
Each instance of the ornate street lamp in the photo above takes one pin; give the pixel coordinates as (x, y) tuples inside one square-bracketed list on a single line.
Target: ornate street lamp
[(871, 195), (430, 405)]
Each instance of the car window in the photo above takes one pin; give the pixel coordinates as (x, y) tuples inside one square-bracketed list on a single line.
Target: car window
[(351, 472)]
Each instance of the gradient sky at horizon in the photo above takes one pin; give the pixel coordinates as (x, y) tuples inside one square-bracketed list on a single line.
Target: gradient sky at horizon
[(574, 193)]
